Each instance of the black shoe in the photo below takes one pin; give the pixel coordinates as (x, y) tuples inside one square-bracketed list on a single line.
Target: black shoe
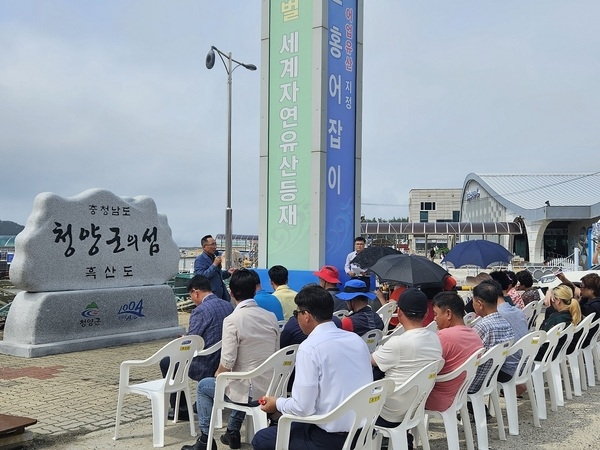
[(183, 416), (199, 445), (232, 438)]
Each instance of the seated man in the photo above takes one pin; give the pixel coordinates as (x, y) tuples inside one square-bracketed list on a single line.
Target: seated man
[(329, 279), (362, 318), (327, 354), (265, 300), (250, 336), (206, 321), (458, 341), (279, 280), (492, 329), (400, 357)]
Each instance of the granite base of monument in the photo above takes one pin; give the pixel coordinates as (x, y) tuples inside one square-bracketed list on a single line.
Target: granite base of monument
[(48, 323)]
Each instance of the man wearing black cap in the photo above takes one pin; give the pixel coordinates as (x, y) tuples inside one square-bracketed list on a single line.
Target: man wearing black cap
[(362, 318), (402, 356)]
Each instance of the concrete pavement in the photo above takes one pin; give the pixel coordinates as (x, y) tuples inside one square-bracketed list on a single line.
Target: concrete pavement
[(74, 396)]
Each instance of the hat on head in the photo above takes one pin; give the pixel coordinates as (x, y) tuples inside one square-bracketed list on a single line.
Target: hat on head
[(329, 274), (474, 281), (413, 302), (353, 289)]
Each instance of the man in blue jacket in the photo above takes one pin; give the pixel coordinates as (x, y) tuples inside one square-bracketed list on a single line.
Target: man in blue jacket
[(208, 264)]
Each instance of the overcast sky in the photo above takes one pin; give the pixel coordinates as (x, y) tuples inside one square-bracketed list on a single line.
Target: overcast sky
[(114, 94)]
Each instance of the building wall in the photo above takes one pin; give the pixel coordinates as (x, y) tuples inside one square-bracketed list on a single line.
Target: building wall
[(446, 201)]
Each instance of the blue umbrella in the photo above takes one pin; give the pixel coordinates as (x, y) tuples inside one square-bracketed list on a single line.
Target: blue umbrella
[(480, 253)]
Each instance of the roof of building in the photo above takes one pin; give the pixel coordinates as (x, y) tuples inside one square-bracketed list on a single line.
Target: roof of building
[(536, 191), (7, 241)]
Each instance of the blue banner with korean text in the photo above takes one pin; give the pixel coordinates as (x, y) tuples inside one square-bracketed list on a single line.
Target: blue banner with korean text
[(341, 130)]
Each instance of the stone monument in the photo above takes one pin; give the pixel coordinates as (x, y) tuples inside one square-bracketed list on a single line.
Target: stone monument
[(92, 269)]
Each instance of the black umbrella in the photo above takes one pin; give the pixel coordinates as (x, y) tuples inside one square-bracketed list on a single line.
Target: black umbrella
[(411, 270), (371, 255)]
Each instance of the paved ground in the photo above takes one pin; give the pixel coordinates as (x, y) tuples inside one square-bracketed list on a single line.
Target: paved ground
[(73, 396)]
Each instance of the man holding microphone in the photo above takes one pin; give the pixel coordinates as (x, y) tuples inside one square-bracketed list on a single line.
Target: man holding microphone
[(208, 264)]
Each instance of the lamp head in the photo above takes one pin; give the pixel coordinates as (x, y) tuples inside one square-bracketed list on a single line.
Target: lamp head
[(210, 58), (249, 66)]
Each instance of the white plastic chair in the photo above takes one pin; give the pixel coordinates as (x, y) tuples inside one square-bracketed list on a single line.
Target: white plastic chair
[(591, 355), (386, 312), (566, 337), (180, 352), (432, 326), (528, 345), (496, 355), (281, 363), (395, 332), (209, 350), (281, 324), (530, 313), (542, 370), (372, 339), (470, 319), (573, 358), (469, 369), (419, 385), (340, 314), (365, 405)]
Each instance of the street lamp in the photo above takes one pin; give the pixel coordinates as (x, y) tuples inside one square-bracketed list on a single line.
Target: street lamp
[(210, 62)]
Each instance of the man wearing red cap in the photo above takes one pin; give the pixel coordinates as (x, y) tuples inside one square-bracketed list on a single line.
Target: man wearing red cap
[(329, 279)]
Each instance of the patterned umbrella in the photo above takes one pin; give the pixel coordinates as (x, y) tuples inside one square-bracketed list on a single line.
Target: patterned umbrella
[(411, 270)]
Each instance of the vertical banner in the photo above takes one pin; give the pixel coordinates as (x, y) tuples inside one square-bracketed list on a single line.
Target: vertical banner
[(341, 130), (289, 132)]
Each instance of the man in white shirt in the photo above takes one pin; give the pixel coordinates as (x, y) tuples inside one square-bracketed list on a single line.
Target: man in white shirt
[(330, 364), (352, 269), (400, 357)]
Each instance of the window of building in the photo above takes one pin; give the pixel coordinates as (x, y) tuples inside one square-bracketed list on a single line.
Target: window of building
[(424, 216), (427, 206), (455, 216)]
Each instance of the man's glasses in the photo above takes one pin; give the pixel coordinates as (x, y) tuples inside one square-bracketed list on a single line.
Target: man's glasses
[(299, 311)]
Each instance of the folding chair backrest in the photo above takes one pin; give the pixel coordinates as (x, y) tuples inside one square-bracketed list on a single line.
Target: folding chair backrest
[(583, 328), (528, 345), (552, 337), (395, 332), (372, 338), (496, 356), (283, 363), (419, 385), (595, 328), (469, 317), (529, 312), (210, 350), (340, 314), (566, 336), (363, 405), (432, 326), (469, 369), (386, 312), (180, 351)]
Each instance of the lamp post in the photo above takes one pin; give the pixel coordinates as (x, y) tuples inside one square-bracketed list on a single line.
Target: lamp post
[(210, 62)]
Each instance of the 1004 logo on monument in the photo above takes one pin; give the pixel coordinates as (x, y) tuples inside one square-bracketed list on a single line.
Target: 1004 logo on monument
[(131, 310)]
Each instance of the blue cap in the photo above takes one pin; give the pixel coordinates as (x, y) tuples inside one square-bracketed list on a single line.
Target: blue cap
[(353, 289)]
